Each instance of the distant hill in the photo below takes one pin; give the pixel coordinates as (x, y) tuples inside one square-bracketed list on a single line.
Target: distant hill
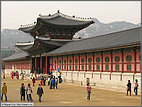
[(9, 37), (99, 28)]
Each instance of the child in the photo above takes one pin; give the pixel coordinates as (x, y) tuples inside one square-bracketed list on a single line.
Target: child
[(12, 75), (88, 91), (28, 92), (129, 87), (41, 81), (22, 92), (4, 91), (33, 80), (56, 82), (136, 87), (40, 92)]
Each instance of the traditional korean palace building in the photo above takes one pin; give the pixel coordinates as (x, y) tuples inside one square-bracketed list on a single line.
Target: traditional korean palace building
[(108, 60)]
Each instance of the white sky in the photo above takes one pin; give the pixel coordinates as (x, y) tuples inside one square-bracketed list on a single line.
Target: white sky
[(16, 13)]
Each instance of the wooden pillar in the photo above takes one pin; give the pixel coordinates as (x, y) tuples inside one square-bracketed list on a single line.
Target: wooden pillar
[(135, 60), (122, 52), (62, 63), (102, 60), (73, 61), (79, 61), (46, 64), (67, 62), (93, 63), (40, 64), (111, 61), (35, 64), (86, 61)]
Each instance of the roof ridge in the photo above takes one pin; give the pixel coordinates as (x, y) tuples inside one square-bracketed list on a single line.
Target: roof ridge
[(65, 16), (108, 34)]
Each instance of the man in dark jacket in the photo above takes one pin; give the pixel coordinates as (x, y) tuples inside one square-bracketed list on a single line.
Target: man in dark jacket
[(22, 92), (40, 92)]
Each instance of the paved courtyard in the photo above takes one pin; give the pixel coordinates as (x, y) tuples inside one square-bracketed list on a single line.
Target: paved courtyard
[(69, 94)]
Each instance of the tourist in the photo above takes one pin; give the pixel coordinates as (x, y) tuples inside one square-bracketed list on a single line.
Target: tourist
[(136, 87), (48, 81), (35, 75), (33, 81), (88, 91), (29, 92), (12, 75), (3, 75), (17, 75), (22, 76), (22, 92), (56, 82), (129, 87), (40, 92), (4, 91), (41, 81), (44, 81)]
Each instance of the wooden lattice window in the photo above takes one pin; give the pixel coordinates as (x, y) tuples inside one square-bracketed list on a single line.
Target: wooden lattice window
[(129, 58), (65, 61), (76, 61), (128, 67), (82, 67), (75, 67), (70, 61), (107, 67), (106, 59), (97, 59), (117, 67), (89, 60), (90, 67), (117, 59), (98, 67), (82, 60)]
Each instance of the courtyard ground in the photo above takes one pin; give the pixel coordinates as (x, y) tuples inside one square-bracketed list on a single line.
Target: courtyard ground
[(71, 95)]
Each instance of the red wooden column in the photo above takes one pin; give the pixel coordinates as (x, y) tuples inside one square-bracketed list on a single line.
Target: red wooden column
[(46, 64), (111, 63), (62, 62), (35, 64), (102, 60), (135, 60), (122, 52), (40, 64), (67, 62), (73, 61), (79, 61), (31, 64), (93, 62)]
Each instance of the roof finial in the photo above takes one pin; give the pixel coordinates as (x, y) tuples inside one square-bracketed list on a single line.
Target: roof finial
[(58, 11)]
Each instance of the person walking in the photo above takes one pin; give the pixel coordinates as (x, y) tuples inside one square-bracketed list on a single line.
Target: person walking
[(41, 81), (17, 75), (22, 92), (12, 75), (129, 87), (29, 92), (56, 82), (3, 75), (40, 92), (88, 91), (48, 81), (136, 87), (33, 81), (44, 81), (4, 91)]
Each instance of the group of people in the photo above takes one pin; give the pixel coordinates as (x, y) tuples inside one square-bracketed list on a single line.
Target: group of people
[(88, 88), (16, 73), (135, 87), (29, 91)]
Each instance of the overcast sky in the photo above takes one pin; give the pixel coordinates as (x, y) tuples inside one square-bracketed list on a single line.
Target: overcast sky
[(16, 13)]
